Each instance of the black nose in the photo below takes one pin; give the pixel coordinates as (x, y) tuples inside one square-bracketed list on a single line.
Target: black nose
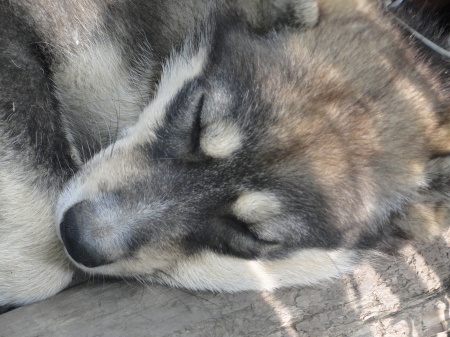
[(75, 234)]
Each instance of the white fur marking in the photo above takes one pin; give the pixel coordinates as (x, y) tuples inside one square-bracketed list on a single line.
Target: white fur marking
[(177, 71), (220, 139), (256, 206), (224, 273)]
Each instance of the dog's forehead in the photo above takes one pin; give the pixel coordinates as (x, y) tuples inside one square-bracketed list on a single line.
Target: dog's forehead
[(230, 95)]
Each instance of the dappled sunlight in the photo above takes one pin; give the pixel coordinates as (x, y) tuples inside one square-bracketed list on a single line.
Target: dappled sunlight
[(425, 274), (405, 294), (282, 311), (411, 92), (265, 280), (375, 296)]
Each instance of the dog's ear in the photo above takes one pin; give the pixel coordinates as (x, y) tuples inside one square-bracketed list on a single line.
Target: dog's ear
[(267, 14)]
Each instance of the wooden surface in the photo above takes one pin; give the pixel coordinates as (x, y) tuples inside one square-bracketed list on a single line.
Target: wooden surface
[(402, 296)]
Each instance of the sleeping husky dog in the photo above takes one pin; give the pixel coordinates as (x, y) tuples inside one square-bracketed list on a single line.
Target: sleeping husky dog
[(213, 145)]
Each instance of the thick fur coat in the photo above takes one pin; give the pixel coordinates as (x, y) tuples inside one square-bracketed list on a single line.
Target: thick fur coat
[(214, 145)]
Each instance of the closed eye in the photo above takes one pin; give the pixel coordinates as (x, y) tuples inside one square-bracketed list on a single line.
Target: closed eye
[(238, 226), (197, 125)]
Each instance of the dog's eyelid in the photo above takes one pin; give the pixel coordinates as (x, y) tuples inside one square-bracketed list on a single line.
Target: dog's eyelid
[(197, 127), (247, 228), (233, 220)]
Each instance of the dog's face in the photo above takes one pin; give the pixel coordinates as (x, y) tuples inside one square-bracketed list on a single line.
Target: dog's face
[(257, 164)]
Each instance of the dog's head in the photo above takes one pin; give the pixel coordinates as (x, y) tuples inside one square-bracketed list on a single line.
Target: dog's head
[(262, 161)]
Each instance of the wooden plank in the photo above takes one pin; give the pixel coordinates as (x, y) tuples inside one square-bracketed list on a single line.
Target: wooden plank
[(391, 296)]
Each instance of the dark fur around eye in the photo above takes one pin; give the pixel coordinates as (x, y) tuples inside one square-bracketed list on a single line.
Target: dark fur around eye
[(197, 125)]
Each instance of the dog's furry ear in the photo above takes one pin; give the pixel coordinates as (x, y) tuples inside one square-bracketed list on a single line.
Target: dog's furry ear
[(267, 14)]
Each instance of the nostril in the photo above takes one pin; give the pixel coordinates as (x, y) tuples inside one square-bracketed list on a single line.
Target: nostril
[(80, 246)]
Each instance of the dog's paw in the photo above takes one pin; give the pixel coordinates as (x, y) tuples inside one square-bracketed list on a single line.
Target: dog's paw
[(30, 274), (26, 279)]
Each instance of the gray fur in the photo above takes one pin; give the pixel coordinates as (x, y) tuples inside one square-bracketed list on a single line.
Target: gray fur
[(215, 148)]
